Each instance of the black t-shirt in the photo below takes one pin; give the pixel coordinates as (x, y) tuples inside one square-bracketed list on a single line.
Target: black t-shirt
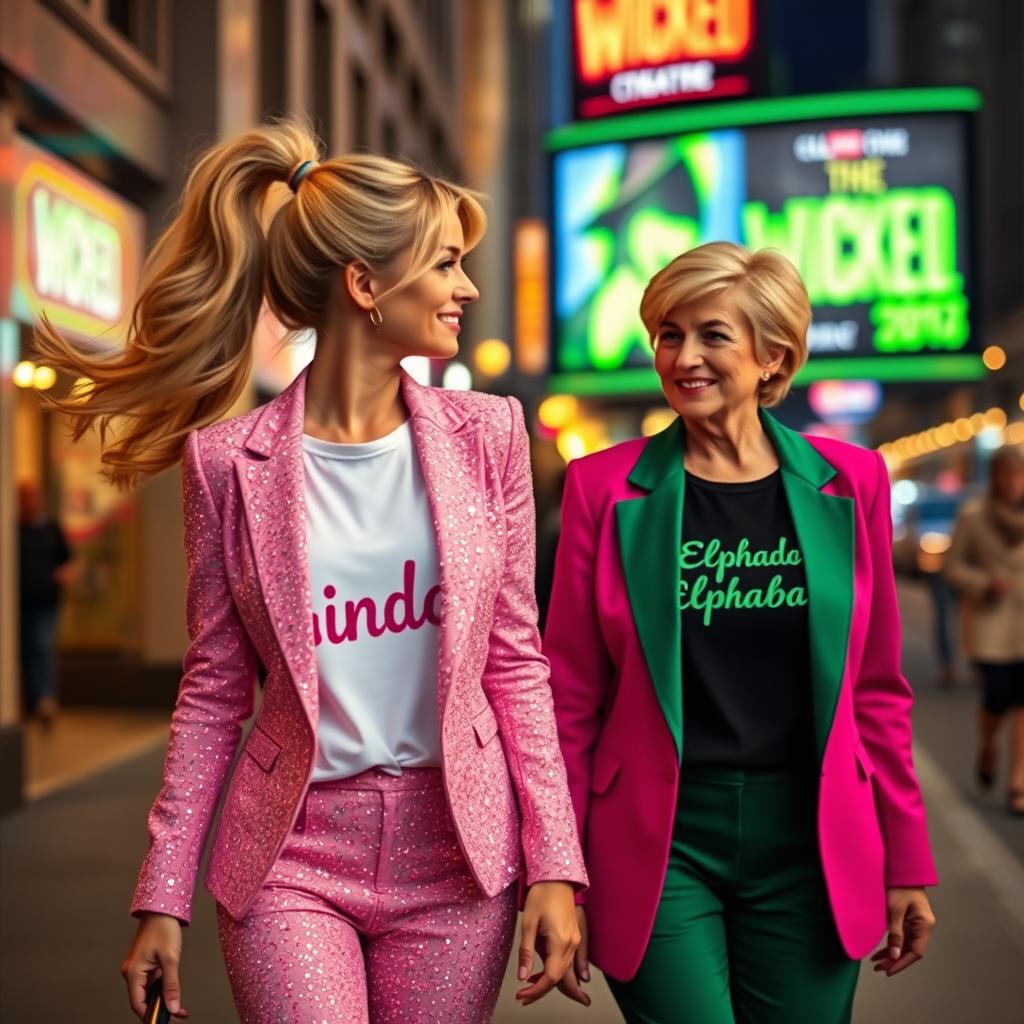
[(745, 641), (42, 548)]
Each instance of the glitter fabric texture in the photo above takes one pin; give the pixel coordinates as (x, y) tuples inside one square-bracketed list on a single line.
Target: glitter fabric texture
[(370, 914), (249, 603)]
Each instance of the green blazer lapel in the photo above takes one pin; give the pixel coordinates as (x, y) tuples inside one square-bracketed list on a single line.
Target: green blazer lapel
[(825, 531), (649, 530)]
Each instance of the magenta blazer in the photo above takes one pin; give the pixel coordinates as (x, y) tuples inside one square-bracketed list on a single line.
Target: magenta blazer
[(613, 640), (249, 603)]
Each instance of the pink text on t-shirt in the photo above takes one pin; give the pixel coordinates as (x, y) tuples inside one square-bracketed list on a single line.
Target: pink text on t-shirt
[(399, 611)]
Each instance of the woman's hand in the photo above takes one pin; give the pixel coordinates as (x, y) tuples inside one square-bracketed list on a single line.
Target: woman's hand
[(549, 925), (155, 953), (910, 926), (570, 985)]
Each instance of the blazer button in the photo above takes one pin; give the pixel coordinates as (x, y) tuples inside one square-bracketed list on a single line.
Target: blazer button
[(670, 774)]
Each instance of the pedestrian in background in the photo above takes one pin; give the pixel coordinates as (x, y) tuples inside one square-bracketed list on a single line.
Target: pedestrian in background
[(44, 557), (725, 643), (985, 564), (371, 542)]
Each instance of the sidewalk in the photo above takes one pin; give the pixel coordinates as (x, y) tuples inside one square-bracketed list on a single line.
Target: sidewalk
[(68, 861)]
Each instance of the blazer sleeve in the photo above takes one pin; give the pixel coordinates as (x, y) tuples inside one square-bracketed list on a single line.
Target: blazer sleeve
[(882, 706), (214, 699), (581, 668), (961, 569), (515, 681)]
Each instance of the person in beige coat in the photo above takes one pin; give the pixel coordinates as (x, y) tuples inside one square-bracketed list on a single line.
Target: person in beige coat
[(985, 564)]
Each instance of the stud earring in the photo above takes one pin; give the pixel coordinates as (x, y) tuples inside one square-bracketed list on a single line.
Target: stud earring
[(767, 375), (376, 317)]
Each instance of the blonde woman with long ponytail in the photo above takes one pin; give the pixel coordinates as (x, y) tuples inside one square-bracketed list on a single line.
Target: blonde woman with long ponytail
[(368, 542)]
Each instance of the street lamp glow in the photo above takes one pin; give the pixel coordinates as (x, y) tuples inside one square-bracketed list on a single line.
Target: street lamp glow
[(492, 357), (656, 420), (557, 410), (81, 389), (44, 378), (570, 445), (23, 373), (457, 377), (935, 543), (904, 492), (990, 438), (994, 357)]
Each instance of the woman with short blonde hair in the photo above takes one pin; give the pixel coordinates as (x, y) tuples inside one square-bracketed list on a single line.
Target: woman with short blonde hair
[(726, 673), (767, 290), (369, 542)]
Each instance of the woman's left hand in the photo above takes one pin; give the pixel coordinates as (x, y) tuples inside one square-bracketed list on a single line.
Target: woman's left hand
[(910, 926), (549, 927)]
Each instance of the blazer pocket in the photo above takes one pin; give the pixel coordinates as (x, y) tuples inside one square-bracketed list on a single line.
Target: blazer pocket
[(603, 770), (867, 767), (485, 725), (262, 748)]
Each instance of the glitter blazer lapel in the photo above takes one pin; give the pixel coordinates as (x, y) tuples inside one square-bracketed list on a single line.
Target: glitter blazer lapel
[(449, 446)]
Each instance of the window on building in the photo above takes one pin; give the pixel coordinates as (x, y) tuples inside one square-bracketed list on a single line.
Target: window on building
[(360, 109), (273, 31), (139, 22), (133, 34), (439, 150), (415, 98), (322, 66), (391, 45), (389, 136)]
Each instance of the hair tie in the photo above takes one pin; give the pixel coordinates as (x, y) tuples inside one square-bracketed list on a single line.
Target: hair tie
[(295, 178)]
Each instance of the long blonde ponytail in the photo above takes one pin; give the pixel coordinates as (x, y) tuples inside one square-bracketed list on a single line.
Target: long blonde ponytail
[(188, 352)]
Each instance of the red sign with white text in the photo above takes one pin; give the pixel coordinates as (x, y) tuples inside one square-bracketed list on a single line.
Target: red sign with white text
[(643, 53)]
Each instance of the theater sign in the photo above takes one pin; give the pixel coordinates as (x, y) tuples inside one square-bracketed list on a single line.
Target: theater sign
[(76, 248), (642, 53), (869, 194)]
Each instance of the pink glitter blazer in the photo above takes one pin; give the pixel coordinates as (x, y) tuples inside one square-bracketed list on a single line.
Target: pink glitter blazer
[(613, 639), (249, 602)]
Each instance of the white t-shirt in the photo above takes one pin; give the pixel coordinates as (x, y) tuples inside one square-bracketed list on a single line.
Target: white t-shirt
[(375, 583)]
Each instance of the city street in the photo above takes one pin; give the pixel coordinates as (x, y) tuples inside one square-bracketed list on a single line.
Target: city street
[(300, 300), (68, 861)]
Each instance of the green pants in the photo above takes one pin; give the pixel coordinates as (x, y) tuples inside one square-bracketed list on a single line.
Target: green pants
[(744, 933)]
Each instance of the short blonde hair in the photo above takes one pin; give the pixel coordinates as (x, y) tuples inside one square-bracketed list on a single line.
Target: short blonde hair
[(768, 291)]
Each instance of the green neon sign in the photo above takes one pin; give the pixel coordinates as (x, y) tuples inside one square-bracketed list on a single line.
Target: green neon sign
[(644, 381), (744, 113), (878, 233)]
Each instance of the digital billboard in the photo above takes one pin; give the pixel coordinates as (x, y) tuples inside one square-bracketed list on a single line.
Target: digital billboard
[(868, 194), (643, 53)]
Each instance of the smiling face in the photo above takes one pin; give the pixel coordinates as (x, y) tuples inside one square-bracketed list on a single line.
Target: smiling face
[(424, 317), (704, 354)]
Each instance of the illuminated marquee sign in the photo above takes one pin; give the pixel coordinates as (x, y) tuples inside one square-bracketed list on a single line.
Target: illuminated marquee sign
[(642, 53), (872, 208), (77, 249)]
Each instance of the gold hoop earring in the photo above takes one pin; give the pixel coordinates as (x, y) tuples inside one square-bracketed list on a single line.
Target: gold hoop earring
[(376, 318)]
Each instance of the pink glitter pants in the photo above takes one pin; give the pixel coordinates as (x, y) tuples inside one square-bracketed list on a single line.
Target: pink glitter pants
[(370, 914)]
